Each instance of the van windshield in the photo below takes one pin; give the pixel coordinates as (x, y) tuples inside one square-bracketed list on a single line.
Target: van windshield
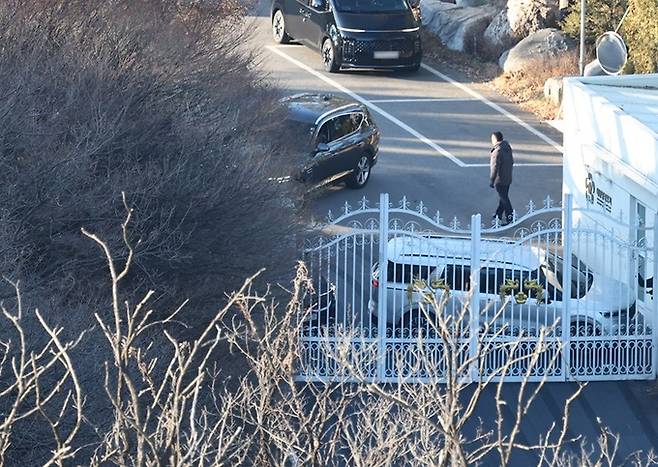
[(371, 6)]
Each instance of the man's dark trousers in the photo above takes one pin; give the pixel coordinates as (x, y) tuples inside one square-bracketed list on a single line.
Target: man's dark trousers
[(504, 204)]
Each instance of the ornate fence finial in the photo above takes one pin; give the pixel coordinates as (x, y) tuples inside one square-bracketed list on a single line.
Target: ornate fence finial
[(404, 204), (514, 215), (548, 202), (330, 216), (421, 208), (346, 208), (531, 206), (495, 222), (455, 223), (363, 203), (437, 217)]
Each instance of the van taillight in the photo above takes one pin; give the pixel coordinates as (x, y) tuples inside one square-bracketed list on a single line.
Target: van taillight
[(375, 275)]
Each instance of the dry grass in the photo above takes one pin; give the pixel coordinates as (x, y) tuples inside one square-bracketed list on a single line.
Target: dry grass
[(527, 88)]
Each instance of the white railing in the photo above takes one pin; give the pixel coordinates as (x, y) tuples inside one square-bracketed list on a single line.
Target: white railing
[(408, 297)]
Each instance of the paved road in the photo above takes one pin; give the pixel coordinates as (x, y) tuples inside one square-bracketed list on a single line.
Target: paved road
[(436, 126), (436, 134)]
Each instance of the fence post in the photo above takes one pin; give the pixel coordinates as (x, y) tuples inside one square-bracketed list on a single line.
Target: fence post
[(474, 314), (654, 320), (383, 287), (567, 246)]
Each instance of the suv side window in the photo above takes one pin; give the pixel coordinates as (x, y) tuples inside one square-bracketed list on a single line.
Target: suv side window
[(356, 120), (339, 127), (342, 126), (458, 277), (405, 273), (324, 134), (491, 279)]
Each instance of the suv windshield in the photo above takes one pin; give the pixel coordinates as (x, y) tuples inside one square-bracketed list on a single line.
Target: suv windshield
[(581, 278), (371, 6)]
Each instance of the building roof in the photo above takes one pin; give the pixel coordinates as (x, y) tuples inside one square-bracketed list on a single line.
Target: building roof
[(635, 95)]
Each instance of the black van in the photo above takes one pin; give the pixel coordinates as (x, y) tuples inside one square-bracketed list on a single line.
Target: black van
[(352, 33)]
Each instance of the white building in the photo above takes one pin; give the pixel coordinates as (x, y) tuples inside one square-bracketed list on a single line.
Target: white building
[(611, 162)]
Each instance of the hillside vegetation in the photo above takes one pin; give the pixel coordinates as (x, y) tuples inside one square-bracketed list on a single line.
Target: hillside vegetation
[(639, 28), (153, 98), (156, 99)]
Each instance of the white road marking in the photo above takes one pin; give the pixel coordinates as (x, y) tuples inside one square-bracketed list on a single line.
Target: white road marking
[(429, 99), (493, 105), (365, 101)]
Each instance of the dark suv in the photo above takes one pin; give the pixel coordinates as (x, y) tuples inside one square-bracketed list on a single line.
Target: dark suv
[(340, 139), (352, 33)]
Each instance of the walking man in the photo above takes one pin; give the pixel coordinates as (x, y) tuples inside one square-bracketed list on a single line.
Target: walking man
[(501, 165)]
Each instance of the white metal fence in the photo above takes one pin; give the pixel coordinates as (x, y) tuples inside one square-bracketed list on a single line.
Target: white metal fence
[(399, 294)]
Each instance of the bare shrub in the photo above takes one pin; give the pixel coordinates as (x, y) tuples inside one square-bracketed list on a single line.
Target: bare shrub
[(171, 406), (38, 384), (153, 98), (527, 87)]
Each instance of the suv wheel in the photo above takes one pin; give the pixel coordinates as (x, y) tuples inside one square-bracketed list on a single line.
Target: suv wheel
[(329, 56), (361, 173), (279, 28)]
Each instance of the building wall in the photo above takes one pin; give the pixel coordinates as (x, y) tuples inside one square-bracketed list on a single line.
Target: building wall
[(610, 162)]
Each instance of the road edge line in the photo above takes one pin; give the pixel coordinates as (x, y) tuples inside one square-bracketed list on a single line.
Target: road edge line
[(494, 106)]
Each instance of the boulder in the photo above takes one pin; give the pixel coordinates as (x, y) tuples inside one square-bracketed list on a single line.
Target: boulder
[(458, 27), (470, 2), (528, 16), (518, 20), (538, 47), (498, 37)]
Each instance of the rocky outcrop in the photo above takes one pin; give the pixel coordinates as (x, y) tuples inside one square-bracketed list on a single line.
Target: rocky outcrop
[(543, 45), (518, 20), (498, 36), (458, 27), (470, 2)]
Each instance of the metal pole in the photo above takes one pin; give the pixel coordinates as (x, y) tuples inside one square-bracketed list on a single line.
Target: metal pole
[(383, 286), (583, 8), (474, 315), (654, 296), (567, 245)]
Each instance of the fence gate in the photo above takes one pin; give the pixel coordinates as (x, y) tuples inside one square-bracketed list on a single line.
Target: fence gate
[(399, 295)]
